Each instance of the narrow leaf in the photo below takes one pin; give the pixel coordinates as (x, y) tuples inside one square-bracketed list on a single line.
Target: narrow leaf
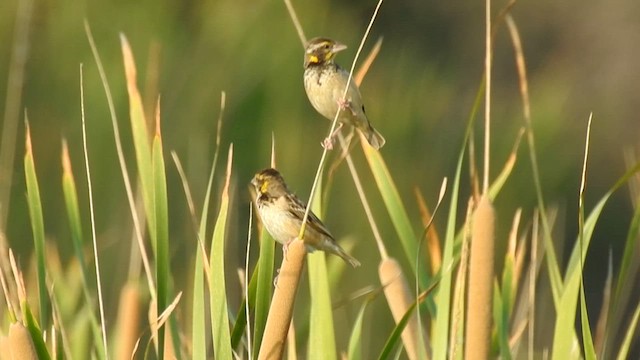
[(321, 331), (217, 286), (625, 347), (564, 332), (355, 340), (394, 204), (141, 135), (264, 288), (37, 228), (73, 213), (443, 298)]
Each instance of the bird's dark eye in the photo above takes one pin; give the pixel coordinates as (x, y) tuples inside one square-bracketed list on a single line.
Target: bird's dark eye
[(326, 46)]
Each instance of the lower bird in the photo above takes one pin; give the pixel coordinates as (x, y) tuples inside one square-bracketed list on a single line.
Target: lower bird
[(325, 83), (282, 213)]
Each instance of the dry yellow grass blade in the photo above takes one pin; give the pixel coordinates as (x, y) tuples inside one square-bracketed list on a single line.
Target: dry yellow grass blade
[(364, 68), (169, 352), (479, 304), (281, 310), (128, 319), (400, 298), (434, 250), (18, 344), (456, 338)]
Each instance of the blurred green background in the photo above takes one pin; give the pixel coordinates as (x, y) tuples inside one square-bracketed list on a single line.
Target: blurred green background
[(582, 57)]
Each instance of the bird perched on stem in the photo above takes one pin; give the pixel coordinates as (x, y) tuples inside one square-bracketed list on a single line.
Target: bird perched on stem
[(282, 213), (325, 82)]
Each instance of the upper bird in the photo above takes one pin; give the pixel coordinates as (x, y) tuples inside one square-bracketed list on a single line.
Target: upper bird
[(282, 213), (325, 82)]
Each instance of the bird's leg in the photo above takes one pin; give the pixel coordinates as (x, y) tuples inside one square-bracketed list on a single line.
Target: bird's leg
[(285, 252), (327, 143), (285, 249)]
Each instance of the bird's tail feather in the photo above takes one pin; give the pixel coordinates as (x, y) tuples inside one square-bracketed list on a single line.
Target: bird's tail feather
[(374, 138), (337, 250)]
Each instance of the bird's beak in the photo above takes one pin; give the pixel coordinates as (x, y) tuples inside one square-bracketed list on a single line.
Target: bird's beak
[(254, 184), (338, 47), (253, 191)]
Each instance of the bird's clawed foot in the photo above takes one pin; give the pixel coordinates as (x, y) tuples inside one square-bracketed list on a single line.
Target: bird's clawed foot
[(327, 143), (344, 104)]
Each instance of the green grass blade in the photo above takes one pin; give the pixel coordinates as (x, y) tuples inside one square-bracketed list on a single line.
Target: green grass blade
[(321, 331), (629, 259), (508, 292), (395, 207), (198, 333), (501, 321), (37, 228), (395, 337), (502, 178), (241, 317), (73, 213), (443, 297), (264, 288), (622, 292), (553, 267), (564, 332), (198, 328), (217, 287), (151, 171), (35, 332), (355, 340), (630, 336), (587, 338), (399, 218), (141, 137), (163, 265)]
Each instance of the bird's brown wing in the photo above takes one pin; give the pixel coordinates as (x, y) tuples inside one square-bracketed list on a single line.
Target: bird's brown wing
[(297, 210)]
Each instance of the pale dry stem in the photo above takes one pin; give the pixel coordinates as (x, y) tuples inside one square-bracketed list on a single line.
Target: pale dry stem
[(94, 241), (487, 103)]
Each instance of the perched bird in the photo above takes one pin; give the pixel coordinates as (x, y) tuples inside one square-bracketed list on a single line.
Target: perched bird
[(282, 212), (325, 82)]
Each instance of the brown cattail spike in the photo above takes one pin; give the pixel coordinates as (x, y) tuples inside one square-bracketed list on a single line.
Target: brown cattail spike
[(479, 301)]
